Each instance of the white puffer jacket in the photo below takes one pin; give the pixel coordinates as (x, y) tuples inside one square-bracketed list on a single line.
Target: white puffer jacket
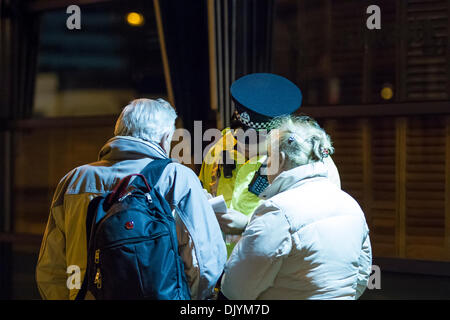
[(309, 240)]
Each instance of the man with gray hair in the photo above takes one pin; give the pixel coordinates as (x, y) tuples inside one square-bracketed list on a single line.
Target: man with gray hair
[(143, 133)]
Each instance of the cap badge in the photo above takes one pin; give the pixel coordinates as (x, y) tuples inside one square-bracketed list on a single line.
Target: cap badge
[(245, 117)]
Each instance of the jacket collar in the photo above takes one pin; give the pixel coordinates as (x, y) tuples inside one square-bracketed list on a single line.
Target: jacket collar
[(295, 177), (121, 148)]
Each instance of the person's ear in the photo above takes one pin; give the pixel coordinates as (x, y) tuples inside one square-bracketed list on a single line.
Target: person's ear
[(282, 160), (165, 142)]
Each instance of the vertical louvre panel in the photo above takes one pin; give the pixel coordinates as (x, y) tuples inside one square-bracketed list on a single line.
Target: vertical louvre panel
[(383, 208), (381, 52), (427, 63), (447, 187), (347, 59), (402, 184), (241, 46), (425, 187), (347, 140)]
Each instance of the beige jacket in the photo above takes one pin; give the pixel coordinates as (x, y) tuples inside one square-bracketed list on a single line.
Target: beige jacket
[(200, 241)]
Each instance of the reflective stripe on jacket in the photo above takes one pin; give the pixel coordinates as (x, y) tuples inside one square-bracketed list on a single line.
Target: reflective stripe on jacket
[(211, 173)]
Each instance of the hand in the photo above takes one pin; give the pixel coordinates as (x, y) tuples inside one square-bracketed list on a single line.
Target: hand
[(208, 195), (232, 222)]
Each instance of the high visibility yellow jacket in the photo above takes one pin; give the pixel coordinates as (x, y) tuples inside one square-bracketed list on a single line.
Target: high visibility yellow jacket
[(234, 189)]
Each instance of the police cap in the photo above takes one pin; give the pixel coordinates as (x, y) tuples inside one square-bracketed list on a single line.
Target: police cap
[(261, 97)]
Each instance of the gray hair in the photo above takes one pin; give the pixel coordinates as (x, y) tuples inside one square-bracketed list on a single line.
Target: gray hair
[(146, 119), (302, 140)]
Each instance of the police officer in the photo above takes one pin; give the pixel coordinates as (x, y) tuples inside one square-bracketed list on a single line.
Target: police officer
[(230, 168)]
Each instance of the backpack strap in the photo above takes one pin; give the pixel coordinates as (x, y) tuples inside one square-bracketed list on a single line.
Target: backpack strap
[(91, 218), (152, 172), (81, 295), (121, 188)]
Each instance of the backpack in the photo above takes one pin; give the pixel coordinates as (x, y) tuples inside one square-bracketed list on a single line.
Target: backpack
[(132, 243)]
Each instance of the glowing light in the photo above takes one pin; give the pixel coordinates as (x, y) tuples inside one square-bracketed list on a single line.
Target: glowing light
[(387, 92), (135, 19)]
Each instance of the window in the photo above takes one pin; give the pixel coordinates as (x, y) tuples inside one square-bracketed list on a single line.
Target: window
[(85, 76), (97, 70), (325, 47)]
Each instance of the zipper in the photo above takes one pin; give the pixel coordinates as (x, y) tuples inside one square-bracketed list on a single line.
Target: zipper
[(123, 197), (97, 256), (98, 275), (106, 217), (131, 240), (98, 279)]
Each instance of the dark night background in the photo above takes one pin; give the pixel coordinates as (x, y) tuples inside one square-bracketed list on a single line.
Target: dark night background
[(382, 95)]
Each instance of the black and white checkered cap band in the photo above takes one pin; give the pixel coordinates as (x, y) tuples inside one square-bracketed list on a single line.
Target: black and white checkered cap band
[(267, 125)]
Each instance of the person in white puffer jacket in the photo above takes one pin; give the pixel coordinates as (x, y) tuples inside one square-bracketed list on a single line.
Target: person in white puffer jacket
[(309, 239)]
